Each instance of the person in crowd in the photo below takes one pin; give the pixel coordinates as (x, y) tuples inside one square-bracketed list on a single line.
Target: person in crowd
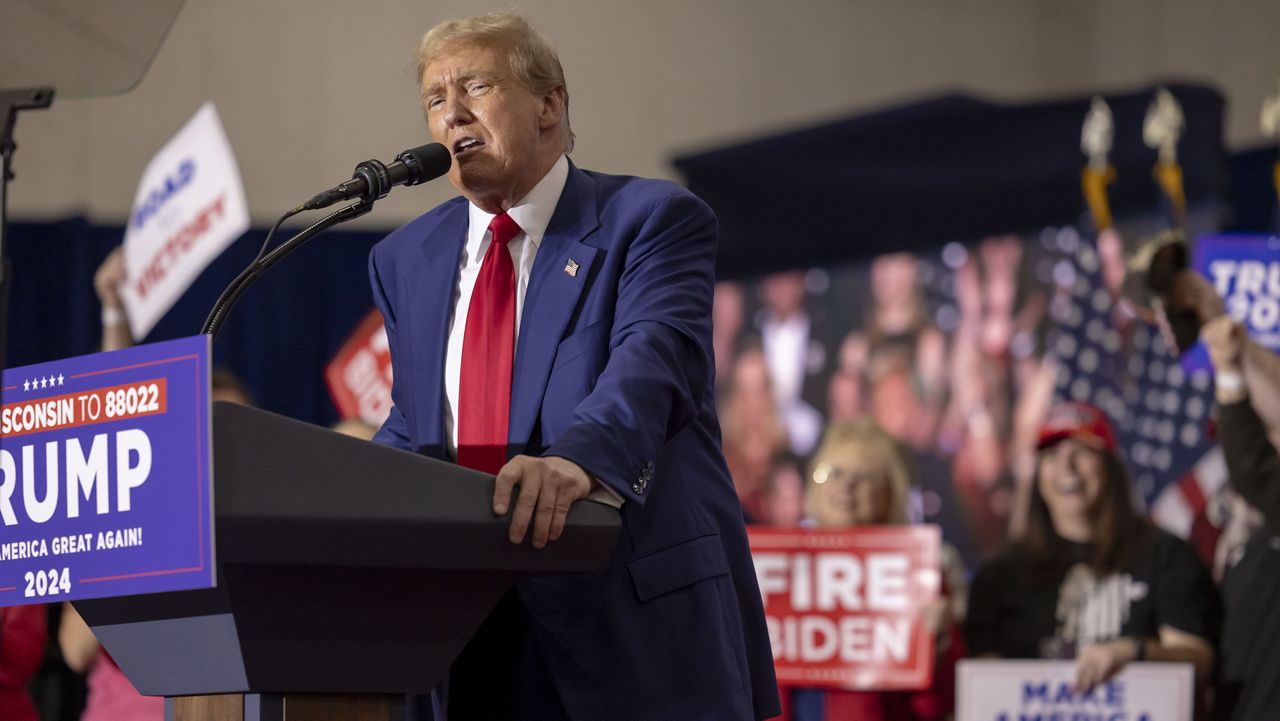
[(1249, 676), (859, 477), (22, 642), (728, 313), (782, 498), (107, 281), (611, 398), (898, 324), (895, 403), (793, 338), (898, 409), (992, 361), (1090, 579), (751, 428), (110, 276), (111, 696), (1185, 302), (1034, 399), (1247, 442), (846, 391)]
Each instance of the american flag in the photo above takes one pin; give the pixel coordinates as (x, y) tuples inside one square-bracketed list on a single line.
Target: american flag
[(1160, 411)]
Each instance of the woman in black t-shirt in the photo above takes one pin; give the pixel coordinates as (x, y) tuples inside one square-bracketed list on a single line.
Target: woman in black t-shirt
[(1090, 579)]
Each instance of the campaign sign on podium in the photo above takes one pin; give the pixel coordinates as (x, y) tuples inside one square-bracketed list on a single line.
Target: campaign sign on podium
[(1045, 691), (105, 475), (844, 607)]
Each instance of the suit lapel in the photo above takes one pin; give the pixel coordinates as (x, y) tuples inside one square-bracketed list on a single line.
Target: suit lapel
[(432, 304), (551, 298)]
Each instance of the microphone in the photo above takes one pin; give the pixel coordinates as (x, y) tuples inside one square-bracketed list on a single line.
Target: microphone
[(372, 180)]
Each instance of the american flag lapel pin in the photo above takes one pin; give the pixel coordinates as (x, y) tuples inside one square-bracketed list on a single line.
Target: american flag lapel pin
[(571, 268)]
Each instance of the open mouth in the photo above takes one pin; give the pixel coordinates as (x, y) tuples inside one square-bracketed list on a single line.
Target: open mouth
[(1068, 487), (466, 145)]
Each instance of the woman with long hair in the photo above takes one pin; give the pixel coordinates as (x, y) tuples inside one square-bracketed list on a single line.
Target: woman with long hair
[(1090, 579)]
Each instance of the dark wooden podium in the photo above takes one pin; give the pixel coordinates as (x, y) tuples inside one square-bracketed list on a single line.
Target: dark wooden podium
[(349, 574)]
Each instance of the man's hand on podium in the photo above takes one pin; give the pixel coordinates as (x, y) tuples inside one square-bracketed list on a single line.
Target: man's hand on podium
[(548, 487)]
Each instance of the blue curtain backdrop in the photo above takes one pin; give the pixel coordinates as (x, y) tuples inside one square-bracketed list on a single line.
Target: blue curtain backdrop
[(947, 168), (1252, 191), (281, 335)]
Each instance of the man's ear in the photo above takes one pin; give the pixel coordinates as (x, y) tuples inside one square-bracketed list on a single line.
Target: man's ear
[(555, 103)]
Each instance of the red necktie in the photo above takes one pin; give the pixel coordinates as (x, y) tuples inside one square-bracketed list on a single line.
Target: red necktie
[(488, 351)]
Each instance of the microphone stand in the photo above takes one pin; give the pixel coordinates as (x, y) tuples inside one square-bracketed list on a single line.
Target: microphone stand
[(226, 301), (11, 101)]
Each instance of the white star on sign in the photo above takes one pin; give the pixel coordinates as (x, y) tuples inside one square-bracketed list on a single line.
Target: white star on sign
[(43, 381), (26, 385), (60, 379)]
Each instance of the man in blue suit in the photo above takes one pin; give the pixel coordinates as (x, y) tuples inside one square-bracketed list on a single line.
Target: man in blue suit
[(571, 312)]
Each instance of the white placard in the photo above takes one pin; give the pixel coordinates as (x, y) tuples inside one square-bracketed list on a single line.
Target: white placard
[(190, 206), (1044, 691)]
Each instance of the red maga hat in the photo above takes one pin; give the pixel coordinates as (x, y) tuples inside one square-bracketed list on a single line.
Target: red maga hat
[(1081, 421)]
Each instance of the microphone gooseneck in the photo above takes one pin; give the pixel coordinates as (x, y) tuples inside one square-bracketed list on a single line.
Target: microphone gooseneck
[(372, 179)]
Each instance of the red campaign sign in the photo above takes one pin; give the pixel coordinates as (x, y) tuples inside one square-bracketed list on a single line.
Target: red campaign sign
[(359, 377), (844, 606)]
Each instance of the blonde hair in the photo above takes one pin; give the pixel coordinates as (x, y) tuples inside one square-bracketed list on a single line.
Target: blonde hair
[(530, 57), (862, 436)]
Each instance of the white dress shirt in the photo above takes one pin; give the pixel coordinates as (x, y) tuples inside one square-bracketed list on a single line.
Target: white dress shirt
[(533, 214)]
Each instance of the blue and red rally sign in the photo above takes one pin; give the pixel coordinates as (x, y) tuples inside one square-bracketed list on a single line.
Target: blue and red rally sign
[(1245, 270), (105, 475)]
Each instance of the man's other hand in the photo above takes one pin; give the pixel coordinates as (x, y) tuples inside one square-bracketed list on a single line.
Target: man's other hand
[(548, 487)]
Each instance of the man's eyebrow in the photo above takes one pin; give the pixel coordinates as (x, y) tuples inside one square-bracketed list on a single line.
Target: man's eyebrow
[(460, 78)]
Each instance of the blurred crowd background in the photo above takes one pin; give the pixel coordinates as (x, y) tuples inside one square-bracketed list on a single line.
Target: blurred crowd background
[(956, 353)]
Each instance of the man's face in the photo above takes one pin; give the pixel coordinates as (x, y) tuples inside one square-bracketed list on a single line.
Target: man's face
[(894, 405), (496, 129), (893, 279), (783, 293)]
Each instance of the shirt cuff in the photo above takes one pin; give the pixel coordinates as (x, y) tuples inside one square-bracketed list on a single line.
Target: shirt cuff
[(600, 493)]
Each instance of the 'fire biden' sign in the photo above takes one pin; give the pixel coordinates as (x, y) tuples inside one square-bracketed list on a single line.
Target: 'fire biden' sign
[(105, 475), (843, 607)]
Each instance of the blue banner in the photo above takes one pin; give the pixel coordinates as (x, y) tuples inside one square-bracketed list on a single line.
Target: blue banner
[(105, 475), (1245, 270)]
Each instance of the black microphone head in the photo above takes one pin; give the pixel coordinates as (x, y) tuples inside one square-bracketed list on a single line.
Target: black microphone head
[(425, 162)]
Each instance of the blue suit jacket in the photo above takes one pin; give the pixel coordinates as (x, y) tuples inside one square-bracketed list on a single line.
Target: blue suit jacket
[(614, 371)]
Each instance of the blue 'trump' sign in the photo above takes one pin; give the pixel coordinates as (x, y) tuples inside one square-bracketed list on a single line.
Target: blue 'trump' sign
[(105, 475), (1245, 270)]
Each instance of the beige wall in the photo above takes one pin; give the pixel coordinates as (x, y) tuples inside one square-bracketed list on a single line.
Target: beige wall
[(307, 88)]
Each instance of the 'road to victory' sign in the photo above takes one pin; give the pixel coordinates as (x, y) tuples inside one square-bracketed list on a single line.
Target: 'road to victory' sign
[(105, 475)]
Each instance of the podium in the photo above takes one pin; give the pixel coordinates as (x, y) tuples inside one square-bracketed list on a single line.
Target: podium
[(348, 574)]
